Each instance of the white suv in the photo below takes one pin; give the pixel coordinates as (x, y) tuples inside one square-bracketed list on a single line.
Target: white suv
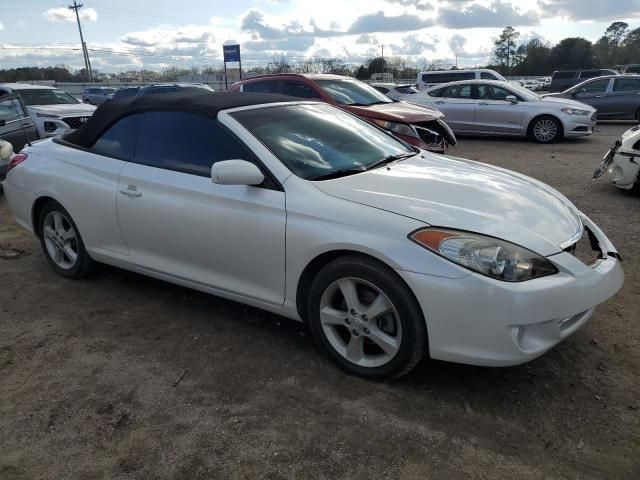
[(53, 111)]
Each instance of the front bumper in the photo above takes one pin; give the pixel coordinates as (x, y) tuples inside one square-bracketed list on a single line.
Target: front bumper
[(481, 321), (578, 126), (624, 169), (425, 129)]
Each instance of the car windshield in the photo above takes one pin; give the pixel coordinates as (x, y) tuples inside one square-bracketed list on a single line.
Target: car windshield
[(319, 141), (45, 96), (352, 92)]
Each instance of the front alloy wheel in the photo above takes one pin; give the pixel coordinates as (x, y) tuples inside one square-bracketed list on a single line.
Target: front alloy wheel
[(366, 319), (360, 322), (546, 130)]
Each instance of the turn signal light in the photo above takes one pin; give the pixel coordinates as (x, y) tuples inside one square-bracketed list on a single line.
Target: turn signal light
[(15, 160)]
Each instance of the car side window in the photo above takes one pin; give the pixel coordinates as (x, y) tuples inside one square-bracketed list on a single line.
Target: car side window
[(9, 111), (498, 93), (186, 142), (597, 86), (492, 92), (297, 89), (438, 92), (487, 76), (381, 89), (269, 86), (119, 140), (626, 84), (458, 91)]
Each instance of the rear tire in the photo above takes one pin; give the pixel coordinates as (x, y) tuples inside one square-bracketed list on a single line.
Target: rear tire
[(365, 318), (546, 129), (61, 242)]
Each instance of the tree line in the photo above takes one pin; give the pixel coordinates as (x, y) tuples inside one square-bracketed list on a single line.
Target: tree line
[(618, 45)]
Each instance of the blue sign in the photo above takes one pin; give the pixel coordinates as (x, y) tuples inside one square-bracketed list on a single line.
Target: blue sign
[(231, 53)]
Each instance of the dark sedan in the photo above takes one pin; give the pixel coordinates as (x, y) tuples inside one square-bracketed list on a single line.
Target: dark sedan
[(614, 96)]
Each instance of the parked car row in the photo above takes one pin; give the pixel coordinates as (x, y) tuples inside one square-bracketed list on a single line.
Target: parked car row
[(420, 126), (52, 110), (30, 112), (388, 252), (561, 80)]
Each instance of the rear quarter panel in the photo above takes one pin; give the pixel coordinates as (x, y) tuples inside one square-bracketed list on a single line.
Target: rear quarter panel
[(85, 184)]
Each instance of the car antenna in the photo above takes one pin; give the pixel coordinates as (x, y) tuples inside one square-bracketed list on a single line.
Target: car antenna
[(22, 127)]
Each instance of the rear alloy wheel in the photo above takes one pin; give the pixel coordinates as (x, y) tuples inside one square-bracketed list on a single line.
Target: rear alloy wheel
[(546, 129), (61, 242), (365, 319)]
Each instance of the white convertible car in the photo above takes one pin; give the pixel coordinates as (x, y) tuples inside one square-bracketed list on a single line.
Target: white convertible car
[(388, 252)]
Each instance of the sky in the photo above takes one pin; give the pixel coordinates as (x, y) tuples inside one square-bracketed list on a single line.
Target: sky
[(134, 34)]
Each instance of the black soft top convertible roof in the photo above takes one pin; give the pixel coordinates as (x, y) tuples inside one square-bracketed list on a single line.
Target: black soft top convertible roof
[(203, 103)]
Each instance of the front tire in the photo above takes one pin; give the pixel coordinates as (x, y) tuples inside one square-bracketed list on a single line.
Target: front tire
[(61, 242), (546, 129), (366, 319)]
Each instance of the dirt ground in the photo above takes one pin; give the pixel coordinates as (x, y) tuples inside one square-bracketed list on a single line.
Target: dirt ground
[(124, 377)]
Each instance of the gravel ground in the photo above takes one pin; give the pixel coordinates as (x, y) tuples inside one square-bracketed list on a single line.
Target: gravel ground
[(124, 377)]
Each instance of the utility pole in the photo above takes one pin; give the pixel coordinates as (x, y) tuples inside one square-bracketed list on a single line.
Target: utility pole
[(382, 46), (85, 53)]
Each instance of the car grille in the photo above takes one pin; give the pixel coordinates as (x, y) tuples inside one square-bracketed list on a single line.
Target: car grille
[(586, 249), (75, 122)]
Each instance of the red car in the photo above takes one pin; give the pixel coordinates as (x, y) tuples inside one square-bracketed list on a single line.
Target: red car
[(420, 126)]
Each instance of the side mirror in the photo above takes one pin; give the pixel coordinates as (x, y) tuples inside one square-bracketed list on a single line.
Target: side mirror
[(236, 172), (511, 98), (3, 123)]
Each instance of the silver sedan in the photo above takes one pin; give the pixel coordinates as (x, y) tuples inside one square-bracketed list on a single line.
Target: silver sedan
[(487, 107)]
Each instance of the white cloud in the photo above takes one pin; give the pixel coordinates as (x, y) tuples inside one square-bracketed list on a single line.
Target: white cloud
[(63, 14), (1, 26)]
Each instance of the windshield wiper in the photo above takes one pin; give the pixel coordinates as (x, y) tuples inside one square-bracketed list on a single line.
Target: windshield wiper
[(391, 158), (338, 173)]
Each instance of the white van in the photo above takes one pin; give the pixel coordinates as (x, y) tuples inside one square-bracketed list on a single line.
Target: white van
[(436, 77)]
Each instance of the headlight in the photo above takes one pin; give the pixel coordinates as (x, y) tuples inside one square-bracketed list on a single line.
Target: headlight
[(401, 128), (486, 255), (46, 115), (575, 111)]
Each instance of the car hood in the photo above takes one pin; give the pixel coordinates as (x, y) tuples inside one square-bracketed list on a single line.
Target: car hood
[(397, 112), (65, 110), (463, 194), (562, 102)]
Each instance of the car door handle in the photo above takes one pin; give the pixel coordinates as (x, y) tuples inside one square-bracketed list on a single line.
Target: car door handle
[(131, 191), (483, 103), (440, 102)]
